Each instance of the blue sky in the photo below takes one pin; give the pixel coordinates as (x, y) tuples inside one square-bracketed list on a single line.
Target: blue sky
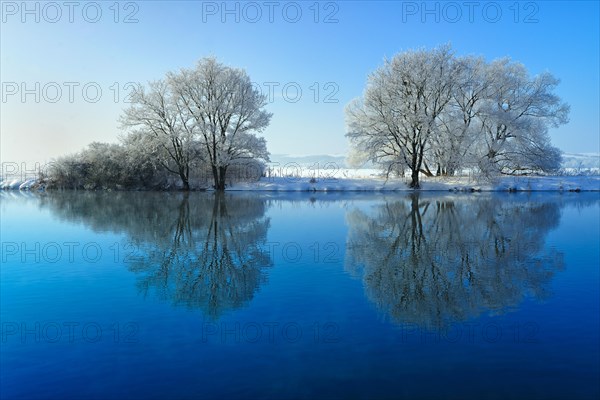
[(327, 55)]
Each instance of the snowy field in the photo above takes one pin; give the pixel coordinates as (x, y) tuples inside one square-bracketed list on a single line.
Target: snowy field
[(329, 173), (346, 179), (361, 180), (323, 173)]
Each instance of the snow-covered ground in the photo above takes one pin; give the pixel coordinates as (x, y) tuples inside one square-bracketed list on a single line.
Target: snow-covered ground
[(328, 176), (329, 173), (17, 184), (357, 181), (371, 180), (360, 182)]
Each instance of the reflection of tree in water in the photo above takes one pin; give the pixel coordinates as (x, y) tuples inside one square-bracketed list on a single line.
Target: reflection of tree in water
[(216, 265), (436, 261), (200, 250)]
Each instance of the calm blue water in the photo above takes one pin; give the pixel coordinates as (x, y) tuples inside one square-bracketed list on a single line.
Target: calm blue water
[(162, 295)]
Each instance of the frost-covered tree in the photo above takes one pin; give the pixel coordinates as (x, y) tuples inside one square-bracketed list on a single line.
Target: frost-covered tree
[(66, 172), (515, 118), (125, 165), (210, 112), (104, 163), (168, 134), (399, 112), (226, 111), (433, 113), (98, 166), (143, 166), (452, 146)]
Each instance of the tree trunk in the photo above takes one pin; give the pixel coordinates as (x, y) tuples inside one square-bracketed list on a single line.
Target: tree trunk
[(414, 168), (222, 175), (219, 175), (215, 172), (184, 180), (414, 179)]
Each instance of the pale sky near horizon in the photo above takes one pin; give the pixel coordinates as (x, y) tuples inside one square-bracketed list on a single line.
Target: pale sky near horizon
[(66, 67)]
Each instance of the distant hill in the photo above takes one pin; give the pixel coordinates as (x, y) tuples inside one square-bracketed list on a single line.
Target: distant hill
[(570, 160), (308, 160), (581, 160)]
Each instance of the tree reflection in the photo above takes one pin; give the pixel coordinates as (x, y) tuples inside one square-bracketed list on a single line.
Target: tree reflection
[(215, 266), (434, 261), (198, 250)]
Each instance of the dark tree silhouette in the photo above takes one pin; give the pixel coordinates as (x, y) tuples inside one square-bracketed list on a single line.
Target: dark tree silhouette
[(199, 250), (434, 261)]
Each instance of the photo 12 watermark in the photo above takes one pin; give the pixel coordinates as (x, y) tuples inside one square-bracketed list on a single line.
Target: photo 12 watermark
[(470, 333), (100, 254), (453, 12), (67, 92), (292, 252), (295, 172), (69, 252), (71, 12), (122, 92), (68, 332), (270, 332), (22, 171), (252, 12), (293, 91)]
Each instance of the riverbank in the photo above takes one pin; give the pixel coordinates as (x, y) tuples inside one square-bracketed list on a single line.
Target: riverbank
[(502, 184), (376, 184)]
